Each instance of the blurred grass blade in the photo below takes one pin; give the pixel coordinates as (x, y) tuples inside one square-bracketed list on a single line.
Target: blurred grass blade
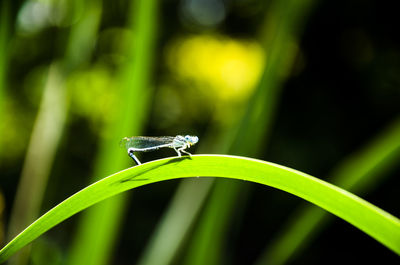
[(39, 158), (4, 40), (283, 25), (4, 52), (49, 127), (361, 172), (98, 228), (176, 222), (377, 223), (83, 35), (281, 29), (40, 152)]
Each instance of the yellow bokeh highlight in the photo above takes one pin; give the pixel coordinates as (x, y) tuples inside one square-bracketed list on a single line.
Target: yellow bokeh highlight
[(93, 95), (226, 67)]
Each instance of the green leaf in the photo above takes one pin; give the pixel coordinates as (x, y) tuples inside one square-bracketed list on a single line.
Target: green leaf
[(377, 223), (361, 172)]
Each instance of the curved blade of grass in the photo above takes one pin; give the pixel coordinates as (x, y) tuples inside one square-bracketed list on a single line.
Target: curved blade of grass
[(360, 173), (377, 223)]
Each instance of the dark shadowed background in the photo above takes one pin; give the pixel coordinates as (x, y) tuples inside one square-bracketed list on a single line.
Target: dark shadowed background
[(312, 85)]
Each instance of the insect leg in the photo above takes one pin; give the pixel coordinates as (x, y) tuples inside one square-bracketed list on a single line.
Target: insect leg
[(130, 153), (182, 149), (178, 151)]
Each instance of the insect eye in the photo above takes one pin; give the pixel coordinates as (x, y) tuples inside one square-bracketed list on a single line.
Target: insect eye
[(187, 137)]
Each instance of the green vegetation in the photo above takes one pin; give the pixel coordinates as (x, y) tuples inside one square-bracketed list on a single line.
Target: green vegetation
[(377, 223), (102, 222), (304, 84)]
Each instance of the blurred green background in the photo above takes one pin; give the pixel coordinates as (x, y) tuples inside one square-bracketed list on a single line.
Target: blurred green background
[(312, 85)]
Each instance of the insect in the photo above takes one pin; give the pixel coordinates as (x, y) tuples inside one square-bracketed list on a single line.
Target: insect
[(147, 143)]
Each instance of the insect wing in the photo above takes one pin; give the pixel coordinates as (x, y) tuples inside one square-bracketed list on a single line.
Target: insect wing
[(145, 141)]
